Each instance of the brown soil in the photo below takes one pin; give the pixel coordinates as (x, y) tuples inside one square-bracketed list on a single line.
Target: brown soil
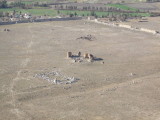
[(125, 87)]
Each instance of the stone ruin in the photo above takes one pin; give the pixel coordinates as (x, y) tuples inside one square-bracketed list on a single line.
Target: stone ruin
[(6, 30), (56, 77), (87, 57), (87, 37)]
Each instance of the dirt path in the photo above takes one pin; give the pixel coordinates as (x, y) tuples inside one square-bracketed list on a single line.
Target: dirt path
[(20, 114)]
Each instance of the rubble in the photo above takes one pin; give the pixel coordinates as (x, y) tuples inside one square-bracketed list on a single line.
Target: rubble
[(132, 74), (88, 37), (7, 30), (87, 57), (102, 62), (55, 77)]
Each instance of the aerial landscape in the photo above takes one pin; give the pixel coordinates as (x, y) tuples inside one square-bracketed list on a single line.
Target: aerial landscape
[(80, 60)]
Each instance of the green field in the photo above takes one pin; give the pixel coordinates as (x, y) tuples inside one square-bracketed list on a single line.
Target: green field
[(100, 14), (51, 12), (123, 7)]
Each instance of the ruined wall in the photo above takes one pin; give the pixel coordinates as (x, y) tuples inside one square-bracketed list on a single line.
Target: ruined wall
[(127, 27), (40, 20)]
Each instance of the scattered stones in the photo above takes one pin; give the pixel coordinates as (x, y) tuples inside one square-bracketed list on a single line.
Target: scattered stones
[(90, 60), (66, 88), (91, 57), (88, 37), (7, 30), (55, 77), (132, 74), (102, 62)]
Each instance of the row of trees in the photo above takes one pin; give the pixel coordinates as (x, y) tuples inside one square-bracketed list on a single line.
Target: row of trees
[(152, 0), (17, 4), (111, 16), (3, 4), (91, 8)]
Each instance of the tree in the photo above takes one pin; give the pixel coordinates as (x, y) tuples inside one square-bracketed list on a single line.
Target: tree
[(75, 14), (71, 15), (1, 14), (95, 16), (3, 4), (58, 12), (14, 12), (92, 13), (18, 4)]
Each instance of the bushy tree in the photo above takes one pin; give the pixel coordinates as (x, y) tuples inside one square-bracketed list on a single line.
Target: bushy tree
[(1, 14), (71, 15), (92, 13), (18, 4), (3, 4), (75, 14)]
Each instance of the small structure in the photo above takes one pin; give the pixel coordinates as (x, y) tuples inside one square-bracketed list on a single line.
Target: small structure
[(91, 57), (86, 55), (69, 54), (7, 30), (79, 54)]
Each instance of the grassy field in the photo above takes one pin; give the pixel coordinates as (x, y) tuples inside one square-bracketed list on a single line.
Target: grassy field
[(123, 7), (100, 14), (51, 12)]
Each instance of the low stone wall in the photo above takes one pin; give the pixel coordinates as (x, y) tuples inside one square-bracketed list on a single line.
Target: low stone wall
[(40, 20), (148, 30), (127, 27), (124, 26)]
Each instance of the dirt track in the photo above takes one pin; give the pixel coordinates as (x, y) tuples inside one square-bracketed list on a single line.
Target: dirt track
[(125, 87)]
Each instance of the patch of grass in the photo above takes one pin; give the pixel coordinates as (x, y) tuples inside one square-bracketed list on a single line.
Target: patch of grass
[(80, 13), (49, 12), (123, 7), (27, 2)]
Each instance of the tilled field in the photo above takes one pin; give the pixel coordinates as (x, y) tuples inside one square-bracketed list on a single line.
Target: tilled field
[(155, 6), (39, 82)]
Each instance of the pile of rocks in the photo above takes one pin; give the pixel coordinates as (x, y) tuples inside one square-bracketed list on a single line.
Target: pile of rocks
[(87, 37), (78, 58), (6, 30), (55, 77)]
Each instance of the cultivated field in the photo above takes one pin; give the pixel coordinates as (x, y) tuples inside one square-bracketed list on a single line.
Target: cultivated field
[(125, 87), (155, 7)]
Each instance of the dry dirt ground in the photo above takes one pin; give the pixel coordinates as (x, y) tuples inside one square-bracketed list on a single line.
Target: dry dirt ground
[(155, 6), (152, 23), (125, 87)]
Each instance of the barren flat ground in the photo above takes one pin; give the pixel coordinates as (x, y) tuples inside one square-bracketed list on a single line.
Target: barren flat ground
[(155, 6), (125, 87), (152, 23)]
